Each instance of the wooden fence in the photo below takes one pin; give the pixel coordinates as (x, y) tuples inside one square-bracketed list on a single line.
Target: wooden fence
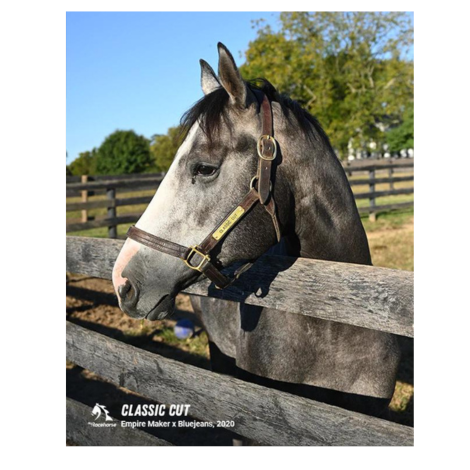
[(375, 173), (380, 172), (376, 298), (97, 185)]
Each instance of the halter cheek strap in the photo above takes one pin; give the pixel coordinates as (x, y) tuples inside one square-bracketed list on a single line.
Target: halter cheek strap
[(198, 257)]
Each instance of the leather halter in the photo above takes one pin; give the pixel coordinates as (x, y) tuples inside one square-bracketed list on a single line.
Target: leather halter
[(267, 150)]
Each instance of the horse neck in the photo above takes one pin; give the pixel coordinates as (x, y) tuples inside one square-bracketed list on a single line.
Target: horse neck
[(326, 224)]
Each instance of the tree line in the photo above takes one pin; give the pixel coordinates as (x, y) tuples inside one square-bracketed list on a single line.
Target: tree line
[(351, 70), (126, 152)]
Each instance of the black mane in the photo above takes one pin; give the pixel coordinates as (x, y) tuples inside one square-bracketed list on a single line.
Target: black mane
[(211, 110)]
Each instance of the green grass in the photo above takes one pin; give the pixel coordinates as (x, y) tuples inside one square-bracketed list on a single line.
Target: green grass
[(381, 201), (388, 220), (197, 344)]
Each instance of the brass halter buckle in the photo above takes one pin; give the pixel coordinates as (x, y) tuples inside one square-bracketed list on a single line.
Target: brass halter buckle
[(258, 147), (194, 250)]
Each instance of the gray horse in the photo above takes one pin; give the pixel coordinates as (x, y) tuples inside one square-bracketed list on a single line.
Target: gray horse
[(339, 364)]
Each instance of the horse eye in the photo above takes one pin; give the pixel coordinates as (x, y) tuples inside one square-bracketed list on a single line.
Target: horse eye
[(204, 170)]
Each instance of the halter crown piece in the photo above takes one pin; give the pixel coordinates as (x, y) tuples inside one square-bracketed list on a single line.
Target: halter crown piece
[(197, 257)]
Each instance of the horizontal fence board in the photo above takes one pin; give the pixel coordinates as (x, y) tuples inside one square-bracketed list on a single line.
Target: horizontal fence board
[(116, 184), (73, 179), (386, 207), (76, 193), (386, 165), (103, 222), (265, 415), (379, 173), (394, 179), (376, 298), (128, 201), (136, 186), (365, 296), (81, 433), (390, 192), (92, 256), (76, 179)]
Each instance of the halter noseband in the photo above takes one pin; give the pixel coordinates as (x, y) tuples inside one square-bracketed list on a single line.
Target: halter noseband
[(267, 150)]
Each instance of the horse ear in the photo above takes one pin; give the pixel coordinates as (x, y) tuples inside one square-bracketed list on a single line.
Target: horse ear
[(230, 77), (209, 80)]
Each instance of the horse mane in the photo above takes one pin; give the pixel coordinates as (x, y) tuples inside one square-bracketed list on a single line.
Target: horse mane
[(211, 110)]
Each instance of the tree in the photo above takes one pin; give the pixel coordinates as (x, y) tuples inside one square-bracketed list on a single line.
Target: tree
[(123, 152), (349, 69), (67, 169), (84, 164), (402, 136), (164, 147)]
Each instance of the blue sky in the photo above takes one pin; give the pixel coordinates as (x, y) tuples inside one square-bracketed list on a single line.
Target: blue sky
[(141, 70)]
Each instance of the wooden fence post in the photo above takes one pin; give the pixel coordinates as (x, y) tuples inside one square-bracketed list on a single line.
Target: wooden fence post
[(111, 196), (85, 199), (390, 175), (372, 213)]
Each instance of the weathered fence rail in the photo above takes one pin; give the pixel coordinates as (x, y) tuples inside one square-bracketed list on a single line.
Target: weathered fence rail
[(109, 185), (376, 298), (265, 415)]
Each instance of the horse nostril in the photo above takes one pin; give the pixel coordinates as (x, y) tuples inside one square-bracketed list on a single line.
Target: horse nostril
[(127, 292)]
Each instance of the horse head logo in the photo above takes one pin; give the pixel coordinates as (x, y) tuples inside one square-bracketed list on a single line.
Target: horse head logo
[(98, 409)]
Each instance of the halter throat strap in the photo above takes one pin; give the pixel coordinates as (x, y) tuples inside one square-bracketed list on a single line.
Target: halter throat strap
[(198, 257)]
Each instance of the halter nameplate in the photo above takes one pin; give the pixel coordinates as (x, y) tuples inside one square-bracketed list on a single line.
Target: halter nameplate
[(228, 222)]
